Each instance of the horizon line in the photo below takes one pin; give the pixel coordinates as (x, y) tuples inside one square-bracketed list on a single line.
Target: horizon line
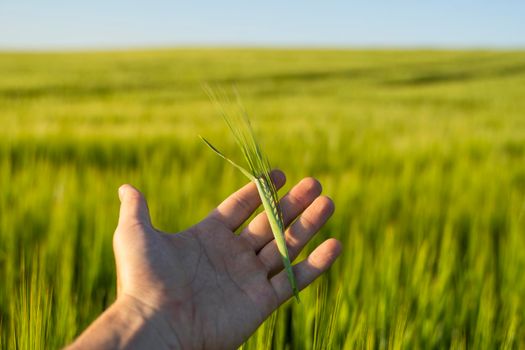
[(240, 46)]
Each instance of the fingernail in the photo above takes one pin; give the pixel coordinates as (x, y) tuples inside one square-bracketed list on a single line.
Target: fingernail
[(121, 192)]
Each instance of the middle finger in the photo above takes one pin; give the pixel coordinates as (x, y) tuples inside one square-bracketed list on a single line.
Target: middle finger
[(258, 232)]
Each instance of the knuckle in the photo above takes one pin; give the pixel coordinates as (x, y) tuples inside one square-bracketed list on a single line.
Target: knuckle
[(242, 203)]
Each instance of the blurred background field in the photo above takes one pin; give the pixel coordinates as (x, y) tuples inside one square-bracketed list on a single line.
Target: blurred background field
[(423, 153)]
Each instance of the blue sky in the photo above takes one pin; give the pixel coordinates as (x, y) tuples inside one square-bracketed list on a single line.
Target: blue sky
[(59, 24)]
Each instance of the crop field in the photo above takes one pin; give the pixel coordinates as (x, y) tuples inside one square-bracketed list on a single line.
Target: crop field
[(423, 153)]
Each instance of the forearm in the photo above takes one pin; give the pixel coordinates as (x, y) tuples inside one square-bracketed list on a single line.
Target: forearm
[(124, 325)]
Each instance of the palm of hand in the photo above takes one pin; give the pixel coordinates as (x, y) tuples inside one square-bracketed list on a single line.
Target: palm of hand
[(213, 286)]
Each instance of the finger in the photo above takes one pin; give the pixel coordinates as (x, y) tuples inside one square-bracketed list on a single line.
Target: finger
[(258, 232), (307, 270), (238, 207), (299, 233), (133, 207)]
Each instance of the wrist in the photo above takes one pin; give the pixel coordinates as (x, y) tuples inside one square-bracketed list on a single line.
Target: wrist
[(129, 324), (143, 326)]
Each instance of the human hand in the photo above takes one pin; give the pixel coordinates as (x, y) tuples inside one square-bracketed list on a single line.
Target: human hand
[(207, 287)]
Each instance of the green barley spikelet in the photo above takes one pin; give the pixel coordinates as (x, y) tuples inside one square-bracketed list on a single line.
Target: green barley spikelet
[(258, 171)]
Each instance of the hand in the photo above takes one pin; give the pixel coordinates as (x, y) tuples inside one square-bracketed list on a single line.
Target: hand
[(207, 287)]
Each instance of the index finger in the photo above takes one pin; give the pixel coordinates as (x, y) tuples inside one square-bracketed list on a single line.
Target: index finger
[(238, 207)]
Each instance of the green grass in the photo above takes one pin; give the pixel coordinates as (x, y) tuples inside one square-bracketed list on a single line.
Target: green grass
[(423, 153)]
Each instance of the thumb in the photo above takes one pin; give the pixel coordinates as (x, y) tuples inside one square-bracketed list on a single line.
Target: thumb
[(133, 207)]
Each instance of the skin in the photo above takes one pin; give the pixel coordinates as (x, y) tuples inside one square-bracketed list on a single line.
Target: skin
[(207, 287)]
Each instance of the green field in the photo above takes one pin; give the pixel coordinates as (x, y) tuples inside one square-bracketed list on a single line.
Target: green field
[(423, 153)]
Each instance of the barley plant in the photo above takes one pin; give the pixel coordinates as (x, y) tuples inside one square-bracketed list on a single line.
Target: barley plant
[(259, 172)]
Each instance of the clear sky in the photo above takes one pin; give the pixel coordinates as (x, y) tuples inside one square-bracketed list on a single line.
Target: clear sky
[(58, 24)]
